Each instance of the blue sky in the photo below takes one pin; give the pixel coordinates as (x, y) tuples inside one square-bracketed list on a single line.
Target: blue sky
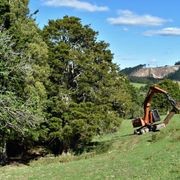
[(138, 31)]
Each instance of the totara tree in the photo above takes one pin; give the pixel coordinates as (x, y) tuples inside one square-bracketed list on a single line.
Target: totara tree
[(87, 94)]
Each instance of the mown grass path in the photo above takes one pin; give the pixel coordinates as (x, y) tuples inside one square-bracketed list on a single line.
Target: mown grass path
[(153, 156)]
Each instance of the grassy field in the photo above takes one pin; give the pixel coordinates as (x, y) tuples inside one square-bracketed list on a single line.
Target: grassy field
[(153, 156), (138, 85)]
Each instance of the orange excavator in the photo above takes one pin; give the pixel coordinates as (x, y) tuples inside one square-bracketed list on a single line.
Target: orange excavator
[(151, 117)]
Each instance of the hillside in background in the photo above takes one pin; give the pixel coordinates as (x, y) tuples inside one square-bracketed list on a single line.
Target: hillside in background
[(140, 71)]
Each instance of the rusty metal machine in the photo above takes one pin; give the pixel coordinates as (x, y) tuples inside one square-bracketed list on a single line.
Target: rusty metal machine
[(151, 117)]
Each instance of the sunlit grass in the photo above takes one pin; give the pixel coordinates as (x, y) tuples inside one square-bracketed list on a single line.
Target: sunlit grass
[(125, 156), (138, 85)]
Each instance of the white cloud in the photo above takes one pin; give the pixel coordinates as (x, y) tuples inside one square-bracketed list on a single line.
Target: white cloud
[(76, 4), (127, 17), (169, 31)]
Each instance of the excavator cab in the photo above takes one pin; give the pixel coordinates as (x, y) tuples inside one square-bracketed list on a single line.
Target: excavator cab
[(155, 115)]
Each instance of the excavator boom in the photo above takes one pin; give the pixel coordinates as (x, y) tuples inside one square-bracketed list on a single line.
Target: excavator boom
[(148, 116), (147, 123)]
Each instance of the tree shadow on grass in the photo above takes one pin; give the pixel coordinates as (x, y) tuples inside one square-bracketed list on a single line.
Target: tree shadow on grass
[(95, 147)]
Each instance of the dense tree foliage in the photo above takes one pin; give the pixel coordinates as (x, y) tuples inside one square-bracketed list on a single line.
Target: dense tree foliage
[(144, 80), (174, 91), (175, 75), (33, 53), (58, 86), (177, 63), (23, 70), (86, 93), (16, 115)]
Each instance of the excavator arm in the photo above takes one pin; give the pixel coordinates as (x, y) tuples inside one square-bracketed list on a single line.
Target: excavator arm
[(147, 123), (175, 109), (148, 116)]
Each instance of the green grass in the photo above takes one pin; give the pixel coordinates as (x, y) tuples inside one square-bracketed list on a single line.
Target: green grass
[(153, 156), (138, 85)]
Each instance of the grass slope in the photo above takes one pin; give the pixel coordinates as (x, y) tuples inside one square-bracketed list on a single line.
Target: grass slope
[(118, 156), (138, 85)]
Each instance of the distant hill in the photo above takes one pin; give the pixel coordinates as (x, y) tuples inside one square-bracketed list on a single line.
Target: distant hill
[(140, 71)]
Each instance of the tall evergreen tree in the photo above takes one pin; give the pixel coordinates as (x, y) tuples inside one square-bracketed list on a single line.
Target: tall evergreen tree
[(16, 116), (26, 38), (68, 77), (87, 94), (11, 11), (24, 68)]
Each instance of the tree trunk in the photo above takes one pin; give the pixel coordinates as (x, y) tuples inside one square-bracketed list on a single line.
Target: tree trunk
[(3, 153)]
